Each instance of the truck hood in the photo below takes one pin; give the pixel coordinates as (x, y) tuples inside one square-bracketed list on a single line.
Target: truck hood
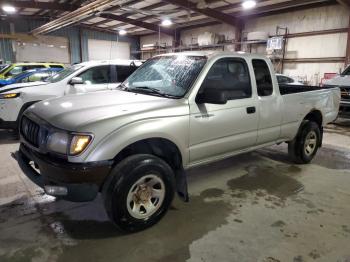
[(339, 81), (83, 112), (19, 87)]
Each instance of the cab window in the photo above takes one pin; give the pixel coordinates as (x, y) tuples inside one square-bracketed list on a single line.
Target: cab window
[(123, 72), (263, 77), (96, 75), (230, 75)]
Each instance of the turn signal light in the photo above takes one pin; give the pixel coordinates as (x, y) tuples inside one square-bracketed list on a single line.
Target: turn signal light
[(79, 144)]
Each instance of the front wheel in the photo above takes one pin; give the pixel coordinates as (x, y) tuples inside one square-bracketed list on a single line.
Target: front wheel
[(304, 147), (138, 192)]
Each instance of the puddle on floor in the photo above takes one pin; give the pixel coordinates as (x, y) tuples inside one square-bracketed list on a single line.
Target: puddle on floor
[(331, 158), (273, 180)]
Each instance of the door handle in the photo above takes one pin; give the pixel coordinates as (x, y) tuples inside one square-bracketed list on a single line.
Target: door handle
[(251, 110)]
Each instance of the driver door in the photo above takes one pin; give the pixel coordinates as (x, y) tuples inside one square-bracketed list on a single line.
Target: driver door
[(220, 129), (96, 78)]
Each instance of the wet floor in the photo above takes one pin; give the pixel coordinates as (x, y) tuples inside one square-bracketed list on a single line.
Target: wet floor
[(254, 207)]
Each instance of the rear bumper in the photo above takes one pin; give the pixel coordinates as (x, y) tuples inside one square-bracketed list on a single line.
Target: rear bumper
[(81, 181)]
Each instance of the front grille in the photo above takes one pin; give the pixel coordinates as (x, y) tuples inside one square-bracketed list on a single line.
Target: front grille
[(30, 131)]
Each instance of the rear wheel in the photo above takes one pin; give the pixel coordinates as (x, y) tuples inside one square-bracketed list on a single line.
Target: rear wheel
[(304, 147), (139, 192)]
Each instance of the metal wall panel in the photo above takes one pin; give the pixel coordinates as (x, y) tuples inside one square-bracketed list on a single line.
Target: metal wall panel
[(6, 53), (72, 33)]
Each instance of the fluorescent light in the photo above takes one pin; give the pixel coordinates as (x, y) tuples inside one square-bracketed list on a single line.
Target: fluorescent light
[(166, 22), (122, 32), (8, 9), (249, 4)]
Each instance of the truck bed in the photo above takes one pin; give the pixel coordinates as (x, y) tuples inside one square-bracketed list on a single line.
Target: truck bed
[(292, 89)]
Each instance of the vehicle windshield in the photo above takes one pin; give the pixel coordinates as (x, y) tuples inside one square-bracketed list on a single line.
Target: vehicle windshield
[(3, 68), (170, 76), (63, 74)]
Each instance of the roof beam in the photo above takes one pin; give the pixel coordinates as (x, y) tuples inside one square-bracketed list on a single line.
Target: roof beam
[(212, 13), (289, 6), (40, 5), (142, 24), (345, 3)]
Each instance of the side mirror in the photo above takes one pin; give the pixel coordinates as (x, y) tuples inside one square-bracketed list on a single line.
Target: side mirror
[(76, 81), (212, 96)]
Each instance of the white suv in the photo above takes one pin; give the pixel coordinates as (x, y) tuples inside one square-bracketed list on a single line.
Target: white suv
[(80, 78)]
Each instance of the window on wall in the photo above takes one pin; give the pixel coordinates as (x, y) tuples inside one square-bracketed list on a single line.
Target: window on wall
[(263, 77), (231, 76), (97, 75)]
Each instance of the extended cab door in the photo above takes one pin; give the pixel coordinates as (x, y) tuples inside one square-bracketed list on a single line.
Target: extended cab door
[(96, 78), (269, 103), (219, 129)]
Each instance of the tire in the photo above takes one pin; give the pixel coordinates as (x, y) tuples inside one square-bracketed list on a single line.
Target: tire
[(134, 208), (304, 147)]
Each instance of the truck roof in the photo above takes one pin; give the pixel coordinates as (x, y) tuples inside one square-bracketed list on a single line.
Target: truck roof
[(114, 61), (212, 54)]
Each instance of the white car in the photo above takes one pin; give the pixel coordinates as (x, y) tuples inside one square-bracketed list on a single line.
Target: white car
[(80, 78), (286, 80)]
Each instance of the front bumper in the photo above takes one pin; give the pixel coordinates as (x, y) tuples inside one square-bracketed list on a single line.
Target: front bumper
[(344, 109), (8, 124), (82, 181)]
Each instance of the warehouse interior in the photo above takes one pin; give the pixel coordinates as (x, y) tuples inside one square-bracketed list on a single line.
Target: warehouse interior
[(255, 206)]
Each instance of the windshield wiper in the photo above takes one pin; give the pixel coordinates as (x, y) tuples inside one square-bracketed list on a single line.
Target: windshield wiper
[(147, 89)]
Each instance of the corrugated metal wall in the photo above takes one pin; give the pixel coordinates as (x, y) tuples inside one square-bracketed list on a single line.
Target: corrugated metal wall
[(6, 52), (72, 33)]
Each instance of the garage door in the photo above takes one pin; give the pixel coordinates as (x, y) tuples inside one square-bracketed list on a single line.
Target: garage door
[(105, 50), (44, 49)]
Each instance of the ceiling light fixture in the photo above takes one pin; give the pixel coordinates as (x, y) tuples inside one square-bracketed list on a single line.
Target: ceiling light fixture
[(166, 22), (249, 4), (122, 32), (8, 9)]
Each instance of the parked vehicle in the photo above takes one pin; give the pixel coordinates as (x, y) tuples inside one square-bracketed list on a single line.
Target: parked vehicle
[(286, 80), (2, 66), (80, 78), (17, 68), (33, 75), (175, 112), (343, 82)]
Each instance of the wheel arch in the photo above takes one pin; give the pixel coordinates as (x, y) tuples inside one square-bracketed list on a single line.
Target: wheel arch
[(315, 116), (158, 146)]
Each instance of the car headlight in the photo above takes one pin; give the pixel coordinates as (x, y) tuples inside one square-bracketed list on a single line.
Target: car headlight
[(58, 142), (9, 95), (79, 144), (63, 143)]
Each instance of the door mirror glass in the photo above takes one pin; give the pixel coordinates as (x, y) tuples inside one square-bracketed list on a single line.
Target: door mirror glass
[(76, 81), (212, 96)]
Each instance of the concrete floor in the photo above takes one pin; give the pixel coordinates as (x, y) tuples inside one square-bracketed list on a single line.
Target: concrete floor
[(253, 207)]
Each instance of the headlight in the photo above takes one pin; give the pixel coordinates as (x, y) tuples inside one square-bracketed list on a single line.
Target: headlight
[(63, 143), (58, 142), (79, 144), (9, 95)]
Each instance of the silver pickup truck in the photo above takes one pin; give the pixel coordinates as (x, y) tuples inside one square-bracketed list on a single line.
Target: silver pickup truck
[(176, 111)]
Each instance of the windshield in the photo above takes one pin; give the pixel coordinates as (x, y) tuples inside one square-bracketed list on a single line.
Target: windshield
[(63, 74), (3, 68), (166, 75)]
